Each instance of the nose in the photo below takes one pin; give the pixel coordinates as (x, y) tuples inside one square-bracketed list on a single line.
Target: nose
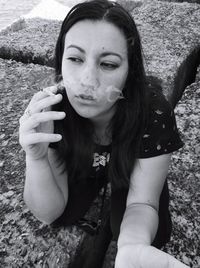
[(89, 78)]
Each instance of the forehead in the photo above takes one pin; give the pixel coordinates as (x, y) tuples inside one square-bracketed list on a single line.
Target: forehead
[(97, 34)]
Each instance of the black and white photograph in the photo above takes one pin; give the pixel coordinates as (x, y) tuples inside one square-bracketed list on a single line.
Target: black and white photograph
[(100, 133)]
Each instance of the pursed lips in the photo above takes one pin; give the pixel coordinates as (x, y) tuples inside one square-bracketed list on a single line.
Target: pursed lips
[(85, 97)]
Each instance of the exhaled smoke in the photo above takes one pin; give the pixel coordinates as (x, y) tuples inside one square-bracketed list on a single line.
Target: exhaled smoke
[(111, 93)]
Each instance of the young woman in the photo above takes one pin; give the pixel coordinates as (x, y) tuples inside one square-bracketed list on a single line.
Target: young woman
[(105, 124)]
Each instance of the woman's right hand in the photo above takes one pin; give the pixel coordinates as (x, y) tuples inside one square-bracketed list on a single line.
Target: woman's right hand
[(144, 256), (36, 129)]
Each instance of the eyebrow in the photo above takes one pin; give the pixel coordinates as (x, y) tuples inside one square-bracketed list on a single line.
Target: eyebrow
[(77, 47), (104, 54)]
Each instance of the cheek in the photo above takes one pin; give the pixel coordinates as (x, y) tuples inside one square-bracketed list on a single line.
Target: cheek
[(109, 94), (118, 78), (113, 86), (68, 71), (70, 81), (122, 78), (113, 94)]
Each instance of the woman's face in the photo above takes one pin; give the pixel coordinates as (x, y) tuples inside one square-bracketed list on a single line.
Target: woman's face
[(94, 68)]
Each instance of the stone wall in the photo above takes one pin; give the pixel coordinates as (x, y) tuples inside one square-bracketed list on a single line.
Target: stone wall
[(169, 32), (182, 1)]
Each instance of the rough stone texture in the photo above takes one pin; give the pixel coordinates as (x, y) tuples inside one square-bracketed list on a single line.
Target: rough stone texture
[(182, 1), (170, 34), (24, 241), (31, 40), (185, 179), (15, 10), (184, 184)]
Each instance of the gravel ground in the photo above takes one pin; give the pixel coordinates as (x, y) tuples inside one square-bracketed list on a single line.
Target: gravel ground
[(24, 241)]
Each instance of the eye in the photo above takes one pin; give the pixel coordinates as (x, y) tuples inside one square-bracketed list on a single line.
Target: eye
[(75, 59), (109, 65)]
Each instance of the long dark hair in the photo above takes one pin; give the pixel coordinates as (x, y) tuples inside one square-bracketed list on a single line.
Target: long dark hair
[(128, 123)]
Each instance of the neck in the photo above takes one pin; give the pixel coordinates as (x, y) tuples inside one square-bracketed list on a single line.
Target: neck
[(102, 130)]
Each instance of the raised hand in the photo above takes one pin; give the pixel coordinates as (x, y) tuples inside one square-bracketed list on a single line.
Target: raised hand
[(36, 125), (142, 256)]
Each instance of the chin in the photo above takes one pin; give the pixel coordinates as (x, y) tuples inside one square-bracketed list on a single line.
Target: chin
[(94, 112), (86, 113)]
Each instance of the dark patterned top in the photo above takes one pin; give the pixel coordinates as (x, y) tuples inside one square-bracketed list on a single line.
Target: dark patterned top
[(161, 135)]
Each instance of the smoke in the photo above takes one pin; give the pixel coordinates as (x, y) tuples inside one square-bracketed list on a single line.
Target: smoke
[(111, 93)]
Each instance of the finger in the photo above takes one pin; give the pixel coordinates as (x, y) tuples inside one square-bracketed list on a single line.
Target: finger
[(165, 260), (45, 103), (38, 118), (42, 104), (34, 138), (49, 90), (44, 93), (174, 263), (152, 257), (38, 96)]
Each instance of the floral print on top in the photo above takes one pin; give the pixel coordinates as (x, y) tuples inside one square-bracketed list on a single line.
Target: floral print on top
[(100, 160)]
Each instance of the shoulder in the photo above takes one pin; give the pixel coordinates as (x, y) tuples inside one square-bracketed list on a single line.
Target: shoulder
[(161, 135), (160, 113), (158, 104)]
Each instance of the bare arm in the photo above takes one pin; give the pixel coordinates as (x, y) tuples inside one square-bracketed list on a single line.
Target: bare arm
[(46, 188), (140, 220)]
